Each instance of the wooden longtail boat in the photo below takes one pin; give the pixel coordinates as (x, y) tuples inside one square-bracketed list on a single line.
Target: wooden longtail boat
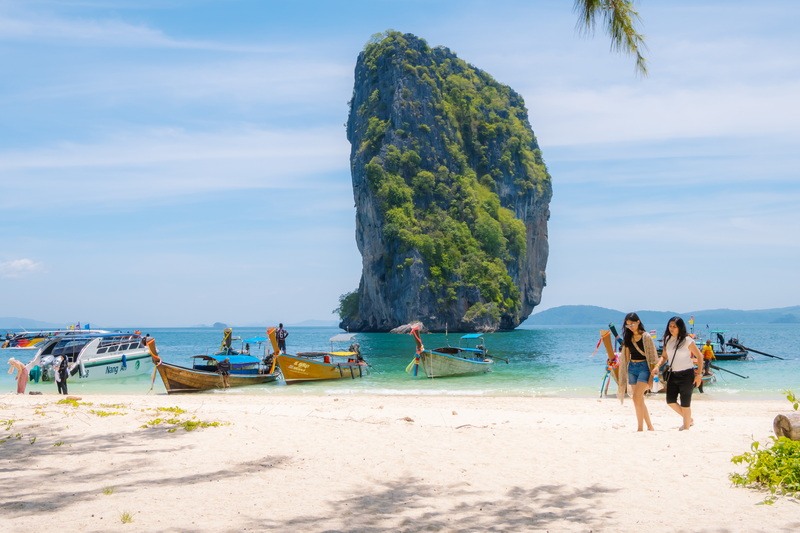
[(457, 362), (298, 368), (204, 374), (315, 366)]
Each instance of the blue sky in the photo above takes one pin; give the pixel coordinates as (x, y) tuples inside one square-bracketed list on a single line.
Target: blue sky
[(177, 162)]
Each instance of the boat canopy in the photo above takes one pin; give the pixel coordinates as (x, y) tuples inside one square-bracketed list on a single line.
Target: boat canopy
[(256, 339), (343, 337), (473, 336)]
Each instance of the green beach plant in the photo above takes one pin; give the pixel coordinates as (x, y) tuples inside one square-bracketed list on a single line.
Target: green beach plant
[(177, 410), (108, 491), (73, 403), (774, 467), (177, 423), (125, 517), (106, 413)]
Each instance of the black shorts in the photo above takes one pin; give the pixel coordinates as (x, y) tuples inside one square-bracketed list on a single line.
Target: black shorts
[(681, 383)]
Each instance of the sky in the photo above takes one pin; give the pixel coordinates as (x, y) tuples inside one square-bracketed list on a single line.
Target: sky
[(184, 162)]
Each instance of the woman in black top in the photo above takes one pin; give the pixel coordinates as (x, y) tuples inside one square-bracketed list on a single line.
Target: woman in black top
[(637, 359)]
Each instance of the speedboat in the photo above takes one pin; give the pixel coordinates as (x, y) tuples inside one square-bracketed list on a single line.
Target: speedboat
[(93, 356)]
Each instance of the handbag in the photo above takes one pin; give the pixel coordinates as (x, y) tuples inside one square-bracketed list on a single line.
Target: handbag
[(667, 373)]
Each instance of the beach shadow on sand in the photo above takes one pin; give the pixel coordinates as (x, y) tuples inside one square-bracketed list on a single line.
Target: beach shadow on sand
[(41, 464), (410, 505)]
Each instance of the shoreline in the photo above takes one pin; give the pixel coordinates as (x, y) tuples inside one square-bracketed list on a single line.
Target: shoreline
[(370, 462)]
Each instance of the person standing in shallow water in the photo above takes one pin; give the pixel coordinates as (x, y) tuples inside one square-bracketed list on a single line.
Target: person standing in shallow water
[(637, 359), (224, 368), (682, 354)]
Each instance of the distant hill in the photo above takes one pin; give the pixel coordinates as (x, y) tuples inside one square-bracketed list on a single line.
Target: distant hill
[(10, 322), (590, 315)]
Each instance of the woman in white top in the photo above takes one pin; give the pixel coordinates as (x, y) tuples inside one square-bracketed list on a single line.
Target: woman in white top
[(681, 354)]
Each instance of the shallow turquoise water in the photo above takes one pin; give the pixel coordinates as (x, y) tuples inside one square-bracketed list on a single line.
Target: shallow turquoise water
[(543, 361)]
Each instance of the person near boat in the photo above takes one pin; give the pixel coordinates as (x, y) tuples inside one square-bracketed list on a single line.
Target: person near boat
[(224, 368), (637, 359), (62, 373), (708, 356), (22, 374), (681, 354), (281, 335)]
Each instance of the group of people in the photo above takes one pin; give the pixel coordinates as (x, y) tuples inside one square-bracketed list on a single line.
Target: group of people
[(639, 365), (60, 366)]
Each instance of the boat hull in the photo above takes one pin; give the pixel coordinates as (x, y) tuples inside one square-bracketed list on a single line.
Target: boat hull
[(297, 369), (113, 368), (178, 379), (731, 356), (438, 365)]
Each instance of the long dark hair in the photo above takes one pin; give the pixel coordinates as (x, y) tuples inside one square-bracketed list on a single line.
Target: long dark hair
[(681, 331), (627, 334)]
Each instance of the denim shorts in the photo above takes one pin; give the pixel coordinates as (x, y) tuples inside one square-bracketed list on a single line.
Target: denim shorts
[(638, 372)]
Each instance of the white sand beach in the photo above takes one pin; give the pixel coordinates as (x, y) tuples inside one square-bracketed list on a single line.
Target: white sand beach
[(378, 463)]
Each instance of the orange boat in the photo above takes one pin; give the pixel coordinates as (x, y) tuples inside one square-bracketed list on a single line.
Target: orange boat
[(315, 366)]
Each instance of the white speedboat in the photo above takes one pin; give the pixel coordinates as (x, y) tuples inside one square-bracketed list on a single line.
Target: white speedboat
[(93, 356)]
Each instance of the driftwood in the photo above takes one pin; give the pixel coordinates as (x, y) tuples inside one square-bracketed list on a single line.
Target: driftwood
[(787, 426)]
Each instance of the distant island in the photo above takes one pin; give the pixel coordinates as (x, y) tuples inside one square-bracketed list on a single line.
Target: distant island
[(590, 315), (451, 191)]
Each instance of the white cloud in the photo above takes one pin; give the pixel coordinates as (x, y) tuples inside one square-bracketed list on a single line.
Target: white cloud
[(46, 28), (640, 114), (155, 163), (16, 268)]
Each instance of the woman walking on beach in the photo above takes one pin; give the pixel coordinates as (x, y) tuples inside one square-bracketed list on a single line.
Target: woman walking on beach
[(637, 359), (681, 353)]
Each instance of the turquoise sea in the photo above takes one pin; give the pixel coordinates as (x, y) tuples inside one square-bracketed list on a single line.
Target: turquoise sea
[(551, 361)]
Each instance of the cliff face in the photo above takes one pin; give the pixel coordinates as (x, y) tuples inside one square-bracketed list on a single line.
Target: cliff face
[(452, 196)]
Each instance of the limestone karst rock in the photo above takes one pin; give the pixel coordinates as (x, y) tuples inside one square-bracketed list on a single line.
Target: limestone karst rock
[(452, 195)]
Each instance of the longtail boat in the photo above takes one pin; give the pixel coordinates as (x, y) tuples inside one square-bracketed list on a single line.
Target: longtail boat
[(449, 361), (206, 374), (315, 366)]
